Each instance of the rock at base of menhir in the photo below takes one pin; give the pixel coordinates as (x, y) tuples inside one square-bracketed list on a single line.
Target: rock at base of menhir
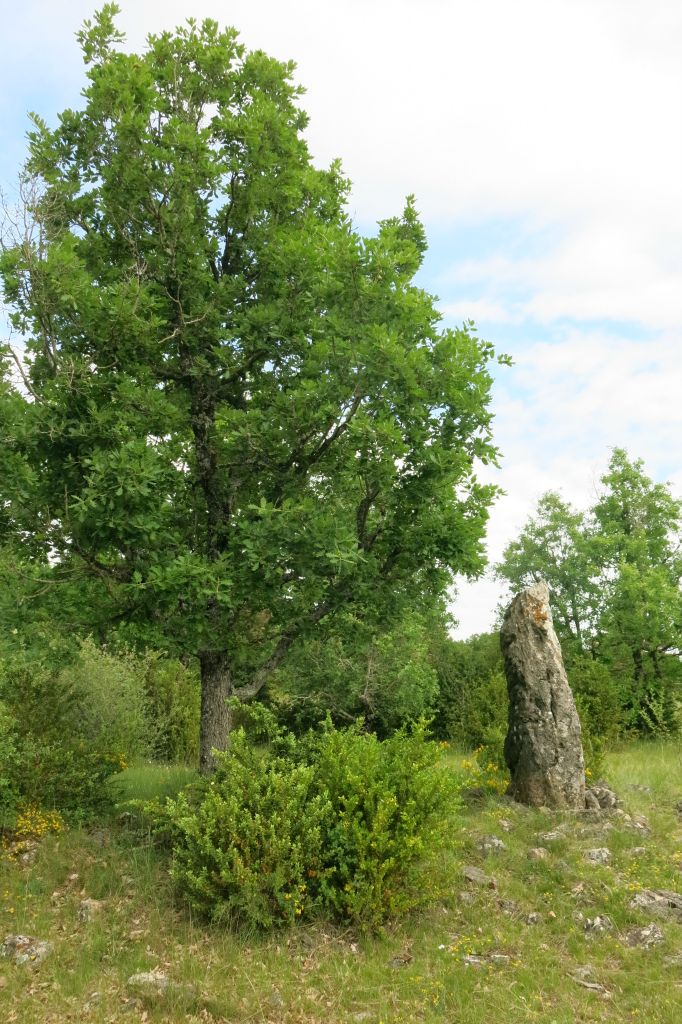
[(543, 748)]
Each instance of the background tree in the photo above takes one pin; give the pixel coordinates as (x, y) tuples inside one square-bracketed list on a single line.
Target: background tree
[(614, 574), (556, 545), (238, 418)]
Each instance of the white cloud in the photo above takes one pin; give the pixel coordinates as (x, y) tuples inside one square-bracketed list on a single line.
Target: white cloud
[(559, 412)]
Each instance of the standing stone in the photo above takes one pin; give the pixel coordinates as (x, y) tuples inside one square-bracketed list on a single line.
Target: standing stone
[(543, 747)]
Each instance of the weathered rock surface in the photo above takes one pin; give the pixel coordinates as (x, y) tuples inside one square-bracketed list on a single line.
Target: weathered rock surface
[(659, 902), (599, 855), (491, 844), (25, 949), (538, 853), (648, 936), (149, 983), (477, 877), (89, 909), (543, 748), (601, 797)]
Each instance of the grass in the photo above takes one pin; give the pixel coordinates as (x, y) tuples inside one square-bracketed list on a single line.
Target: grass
[(414, 972)]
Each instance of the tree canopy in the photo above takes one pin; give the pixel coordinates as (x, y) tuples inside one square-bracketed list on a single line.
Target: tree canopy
[(614, 573), (236, 417)]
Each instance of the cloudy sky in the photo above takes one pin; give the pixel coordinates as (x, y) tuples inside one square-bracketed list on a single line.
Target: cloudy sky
[(543, 141)]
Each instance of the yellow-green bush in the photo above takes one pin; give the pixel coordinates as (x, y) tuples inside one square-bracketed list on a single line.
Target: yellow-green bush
[(336, 822)]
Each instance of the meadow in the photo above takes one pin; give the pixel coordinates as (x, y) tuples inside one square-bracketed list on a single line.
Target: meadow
[(536, 940)]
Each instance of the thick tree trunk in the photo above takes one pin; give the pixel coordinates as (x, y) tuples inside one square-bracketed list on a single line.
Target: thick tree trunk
[(216, 687)]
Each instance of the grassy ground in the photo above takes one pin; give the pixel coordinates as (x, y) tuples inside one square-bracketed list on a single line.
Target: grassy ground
[(415, 972)]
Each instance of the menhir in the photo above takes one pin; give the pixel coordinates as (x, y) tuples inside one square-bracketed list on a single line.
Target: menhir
[(543, 747)]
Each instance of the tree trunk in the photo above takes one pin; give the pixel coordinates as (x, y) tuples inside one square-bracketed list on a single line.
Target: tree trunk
[(216, 687)]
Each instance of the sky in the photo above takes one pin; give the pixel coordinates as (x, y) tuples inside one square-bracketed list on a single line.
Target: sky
[(543, 142)]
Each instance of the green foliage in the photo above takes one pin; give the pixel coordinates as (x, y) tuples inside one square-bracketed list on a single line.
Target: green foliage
[(64, 731), (337, 822), (48, 753), (599, 698), (245, 853), (172, 709), (10, 765), (109, 689), (242, 417), (391, 802), (615, 575), (472, 703), (386, 678)]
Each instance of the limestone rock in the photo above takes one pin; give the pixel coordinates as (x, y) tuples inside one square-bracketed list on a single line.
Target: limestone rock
[(543, 748), (538, 853), (149, 983), (659, 902), (648, 936), (89, 909), (491, 844), (605, 798), (551, 837), (25, 949), (600, 855), (478, 877)]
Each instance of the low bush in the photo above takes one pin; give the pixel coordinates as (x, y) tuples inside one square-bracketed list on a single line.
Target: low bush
[(335, 822)]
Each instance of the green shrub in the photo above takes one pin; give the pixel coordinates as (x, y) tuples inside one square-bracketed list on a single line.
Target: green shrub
[(173, 697), (472, 703), (244, 854), (336, 822), (49, 755), (110, 688), (391, 802), (599, 698), (10, 793)]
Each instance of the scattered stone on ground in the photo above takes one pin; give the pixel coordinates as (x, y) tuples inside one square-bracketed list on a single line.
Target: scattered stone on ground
[(506, 825), (593, 986), (491, 844), (638, 851), (89, 909), (649, 935), (24, 851), (538, 853), (132, 1005), (600, 855), (543, 746), (659, 902), (508, 907), (401, 959), (550, 837), (477, 877), (149, 983), (467, 897), (484, 959), (25, 949), (533, 918), (605, 797), (598, 925)]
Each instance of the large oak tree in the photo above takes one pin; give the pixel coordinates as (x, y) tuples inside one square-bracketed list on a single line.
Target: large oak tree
[(237, 416)]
